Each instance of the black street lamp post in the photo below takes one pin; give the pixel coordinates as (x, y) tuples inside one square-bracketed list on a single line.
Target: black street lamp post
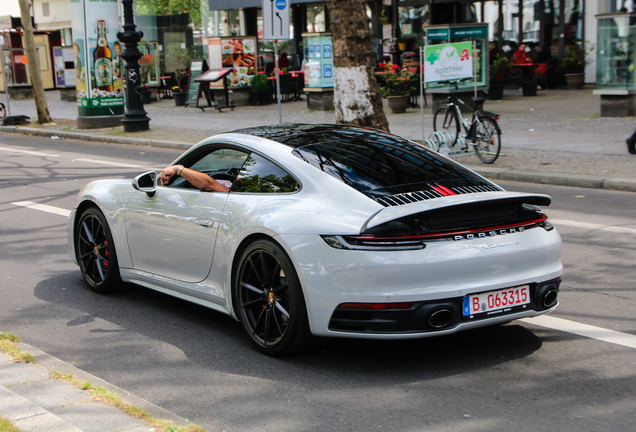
[(135, 119)]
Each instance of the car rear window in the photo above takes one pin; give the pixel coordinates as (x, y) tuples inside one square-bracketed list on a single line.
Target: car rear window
[(388, 166)]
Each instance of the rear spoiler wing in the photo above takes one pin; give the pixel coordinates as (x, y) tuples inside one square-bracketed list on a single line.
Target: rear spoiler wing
[(388, 214)]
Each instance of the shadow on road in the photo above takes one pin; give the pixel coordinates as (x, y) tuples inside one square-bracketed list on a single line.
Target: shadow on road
[(214, 340)]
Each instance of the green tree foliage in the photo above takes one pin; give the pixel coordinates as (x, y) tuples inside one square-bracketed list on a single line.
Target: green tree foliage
[(170, 7), (267, 184)]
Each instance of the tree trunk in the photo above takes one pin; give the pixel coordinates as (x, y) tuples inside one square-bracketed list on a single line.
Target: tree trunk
[(33, 63), (357, 98)]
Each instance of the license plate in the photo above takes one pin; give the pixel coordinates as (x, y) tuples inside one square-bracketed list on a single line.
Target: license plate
[(496, 300)]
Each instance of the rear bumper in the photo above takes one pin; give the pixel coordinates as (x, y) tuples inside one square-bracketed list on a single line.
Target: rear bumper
[(436, 316), (443, 272)]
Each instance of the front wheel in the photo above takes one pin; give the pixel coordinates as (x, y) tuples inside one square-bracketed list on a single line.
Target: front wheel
[(446, 122), (487, 140), (269, 300), (95, 251)]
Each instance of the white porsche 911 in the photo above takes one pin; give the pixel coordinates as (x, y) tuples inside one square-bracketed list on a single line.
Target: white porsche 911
[(327, 231)]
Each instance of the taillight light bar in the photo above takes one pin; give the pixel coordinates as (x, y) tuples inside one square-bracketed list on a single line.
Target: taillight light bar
[(418, 241)]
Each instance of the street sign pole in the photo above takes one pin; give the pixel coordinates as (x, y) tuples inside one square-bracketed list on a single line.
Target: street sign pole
[(280, 112), (276, 26)]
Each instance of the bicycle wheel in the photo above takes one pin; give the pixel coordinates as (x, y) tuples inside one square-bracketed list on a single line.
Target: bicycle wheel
[(446, 122), (487, 140)]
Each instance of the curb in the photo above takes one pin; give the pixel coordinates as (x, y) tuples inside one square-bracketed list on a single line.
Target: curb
[(542, 177), (95, 138), (53, 364)]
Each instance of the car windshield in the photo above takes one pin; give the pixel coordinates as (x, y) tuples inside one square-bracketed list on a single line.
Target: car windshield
[(380, 164)]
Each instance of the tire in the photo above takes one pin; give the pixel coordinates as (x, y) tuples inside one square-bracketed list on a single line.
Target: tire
[(445, 120), (269, 302), (95, 252), (487, 140)]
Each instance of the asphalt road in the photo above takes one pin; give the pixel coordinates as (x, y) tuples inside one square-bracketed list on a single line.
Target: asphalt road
[(198, 364)]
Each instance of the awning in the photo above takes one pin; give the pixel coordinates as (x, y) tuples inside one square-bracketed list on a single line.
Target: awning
[(238, 4)]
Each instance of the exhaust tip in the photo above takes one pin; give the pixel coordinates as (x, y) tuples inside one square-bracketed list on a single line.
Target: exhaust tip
[(549, 298), (441, 318)]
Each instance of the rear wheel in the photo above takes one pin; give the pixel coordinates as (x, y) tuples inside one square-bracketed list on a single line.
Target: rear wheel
[(269, 300), (445, 121), (487, 140), (95, 251)]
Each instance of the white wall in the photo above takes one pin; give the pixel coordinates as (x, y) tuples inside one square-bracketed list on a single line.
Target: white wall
[(59, 14)]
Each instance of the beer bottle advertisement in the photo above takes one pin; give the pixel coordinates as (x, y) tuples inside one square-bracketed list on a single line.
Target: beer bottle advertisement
[(95, 27)]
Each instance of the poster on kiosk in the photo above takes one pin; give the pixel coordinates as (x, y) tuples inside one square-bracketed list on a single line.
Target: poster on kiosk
[(98, 66)]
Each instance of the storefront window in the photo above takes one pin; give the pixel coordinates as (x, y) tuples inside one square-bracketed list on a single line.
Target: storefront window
[(412, 20), (316, 22), (616, 52)]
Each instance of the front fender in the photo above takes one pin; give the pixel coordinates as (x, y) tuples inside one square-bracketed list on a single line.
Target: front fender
[(111, 198)]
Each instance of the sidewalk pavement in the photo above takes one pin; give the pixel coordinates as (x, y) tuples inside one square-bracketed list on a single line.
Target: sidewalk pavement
[(556, 138), (34, 401)]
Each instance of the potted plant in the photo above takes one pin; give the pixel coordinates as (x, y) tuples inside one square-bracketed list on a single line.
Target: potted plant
[(499, 71), (573, 64), (145, 94), (260, 93), (178, 92), (177, 60), (396, 90)]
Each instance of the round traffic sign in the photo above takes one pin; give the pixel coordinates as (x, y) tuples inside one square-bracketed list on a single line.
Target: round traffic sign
[(281, 4)]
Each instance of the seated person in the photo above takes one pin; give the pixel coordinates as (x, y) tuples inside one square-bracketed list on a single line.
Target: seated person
[(198, 179), (521, 56)]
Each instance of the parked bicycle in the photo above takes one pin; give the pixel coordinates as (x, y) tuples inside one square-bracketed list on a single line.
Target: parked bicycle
[(482, 132)]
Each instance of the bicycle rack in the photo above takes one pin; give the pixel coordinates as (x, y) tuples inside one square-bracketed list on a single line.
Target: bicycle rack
[(439, 141)]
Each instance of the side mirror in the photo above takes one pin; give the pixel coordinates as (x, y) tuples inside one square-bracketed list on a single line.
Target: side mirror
[(146, 182)]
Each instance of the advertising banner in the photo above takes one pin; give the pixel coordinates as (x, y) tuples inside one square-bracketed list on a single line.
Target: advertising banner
[(64, 59), (98, 66), (448, 61), (240, 55)]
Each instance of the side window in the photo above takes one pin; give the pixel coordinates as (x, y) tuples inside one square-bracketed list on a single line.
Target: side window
[(262, 176), (221, 164), (221, 161)]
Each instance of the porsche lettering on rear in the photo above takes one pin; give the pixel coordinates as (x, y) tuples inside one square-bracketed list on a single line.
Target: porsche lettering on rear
[(489, 234)]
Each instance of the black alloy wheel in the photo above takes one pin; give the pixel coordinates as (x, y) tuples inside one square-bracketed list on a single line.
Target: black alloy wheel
[(95, 251), (269, 300)]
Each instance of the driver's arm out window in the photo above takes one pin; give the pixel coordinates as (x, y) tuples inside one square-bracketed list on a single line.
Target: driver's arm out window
[(220, 164)]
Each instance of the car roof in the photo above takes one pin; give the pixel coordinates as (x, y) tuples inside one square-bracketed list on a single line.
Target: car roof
[(301, 135)]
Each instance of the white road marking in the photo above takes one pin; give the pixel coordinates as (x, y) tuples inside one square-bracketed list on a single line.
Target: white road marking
[(43, 207), (117, 164), (29, 152), (593, 226), (598, 333)]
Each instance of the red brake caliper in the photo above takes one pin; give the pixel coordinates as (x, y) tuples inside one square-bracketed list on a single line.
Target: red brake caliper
[(106, 262)]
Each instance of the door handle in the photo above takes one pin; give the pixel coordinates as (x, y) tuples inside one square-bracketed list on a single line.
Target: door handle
[(205, 224)]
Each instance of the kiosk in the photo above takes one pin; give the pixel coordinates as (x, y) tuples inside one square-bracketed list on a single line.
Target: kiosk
[(616, 51), (318, 70)]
